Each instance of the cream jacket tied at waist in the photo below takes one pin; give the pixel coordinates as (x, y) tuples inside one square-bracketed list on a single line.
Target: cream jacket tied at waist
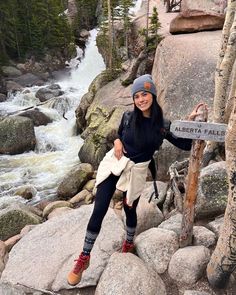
[(132, 176)]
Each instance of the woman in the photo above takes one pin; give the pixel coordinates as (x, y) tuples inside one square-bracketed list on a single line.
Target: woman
[(127, 165)]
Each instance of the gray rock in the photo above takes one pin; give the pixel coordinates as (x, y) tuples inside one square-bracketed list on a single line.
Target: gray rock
[(37, 117), (48, 92), (216, 225), (198, 15), (173, 223), (48, 251), (10, 71), (12, 86), (203, 237), (74, 181), (127, 274), (149, 189), (183, 78), (212, 190), (187, 265), (14, 217), (28, 80), (156, 247), (16, 135), (148, 214), (8, 289)]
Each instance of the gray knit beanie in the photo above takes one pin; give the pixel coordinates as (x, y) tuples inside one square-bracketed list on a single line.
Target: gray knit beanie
[(144, 83)]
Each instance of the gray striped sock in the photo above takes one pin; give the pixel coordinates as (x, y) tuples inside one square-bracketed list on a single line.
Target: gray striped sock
[(89, 241), (130, 232)]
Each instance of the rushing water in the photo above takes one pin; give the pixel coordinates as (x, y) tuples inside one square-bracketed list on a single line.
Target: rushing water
[(57, 144), (57, 147)]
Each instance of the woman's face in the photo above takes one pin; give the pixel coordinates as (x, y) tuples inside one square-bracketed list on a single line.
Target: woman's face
[(143, 101)]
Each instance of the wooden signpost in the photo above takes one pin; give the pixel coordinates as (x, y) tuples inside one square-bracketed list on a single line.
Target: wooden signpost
[(198, 130)]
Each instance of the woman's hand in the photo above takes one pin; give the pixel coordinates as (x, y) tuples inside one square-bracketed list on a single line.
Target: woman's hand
[(195, 112), (118, 149)]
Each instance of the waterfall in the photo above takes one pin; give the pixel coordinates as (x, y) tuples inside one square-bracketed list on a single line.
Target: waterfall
[(57, 147)]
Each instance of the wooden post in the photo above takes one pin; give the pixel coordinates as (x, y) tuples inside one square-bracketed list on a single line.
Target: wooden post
[(192, 183)]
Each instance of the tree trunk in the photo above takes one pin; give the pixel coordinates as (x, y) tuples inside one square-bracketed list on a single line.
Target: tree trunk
[(110, 35), (222, 75), (192, 185), (223, 259), (230, 101)]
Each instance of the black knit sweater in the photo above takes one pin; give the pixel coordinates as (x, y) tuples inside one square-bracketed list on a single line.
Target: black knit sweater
[(153, 140)]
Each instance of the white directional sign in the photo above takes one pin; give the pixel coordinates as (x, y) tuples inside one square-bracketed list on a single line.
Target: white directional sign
[(199, 130)]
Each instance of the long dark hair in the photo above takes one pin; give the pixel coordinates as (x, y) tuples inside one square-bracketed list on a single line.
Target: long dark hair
[(156, 116)]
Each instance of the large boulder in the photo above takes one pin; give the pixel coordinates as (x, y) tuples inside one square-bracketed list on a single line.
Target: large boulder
[(37, 117), (103, 117), (16, 135), (183, 72), (48, 92), (10, 71), (48, 251), (127, 274), (199, 15), (74, 181), (212, 190), (14, 217), (28, 80)]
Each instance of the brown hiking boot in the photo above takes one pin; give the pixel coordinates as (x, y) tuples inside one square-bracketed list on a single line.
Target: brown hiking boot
[(127, 247), (82, 263)]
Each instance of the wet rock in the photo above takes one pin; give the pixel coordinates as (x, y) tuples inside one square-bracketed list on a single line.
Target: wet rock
[(140, 279), (45, 93), (187, 265), (12, 86), (53, 246), (27, 192), (28, 80), (16, 135), (156, 247), (74, 181), (3, 97), (14, 217), (37, 117)]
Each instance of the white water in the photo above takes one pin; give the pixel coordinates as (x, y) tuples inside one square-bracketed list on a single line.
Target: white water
[(57, 146)]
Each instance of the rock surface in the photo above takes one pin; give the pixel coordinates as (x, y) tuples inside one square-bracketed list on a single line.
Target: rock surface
[(16, 135), (120, 277), (54, 245)]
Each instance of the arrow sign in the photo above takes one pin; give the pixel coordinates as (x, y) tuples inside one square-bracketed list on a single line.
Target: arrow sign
[(199, 130)]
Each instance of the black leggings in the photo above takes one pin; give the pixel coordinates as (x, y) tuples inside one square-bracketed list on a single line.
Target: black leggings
[(105, 191)]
